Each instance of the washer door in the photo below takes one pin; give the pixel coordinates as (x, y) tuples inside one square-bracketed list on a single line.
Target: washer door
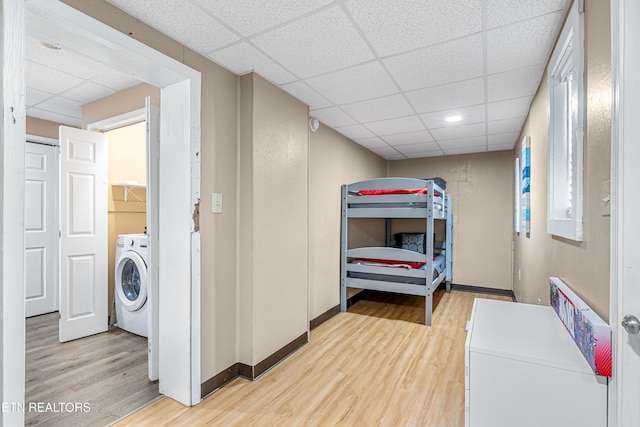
[(131, 280)]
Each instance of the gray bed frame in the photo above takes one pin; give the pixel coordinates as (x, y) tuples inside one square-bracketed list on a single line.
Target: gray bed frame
[(427, 206)]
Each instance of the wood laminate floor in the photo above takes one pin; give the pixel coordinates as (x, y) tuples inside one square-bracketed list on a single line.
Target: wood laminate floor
[(105, 373), (376, 365)]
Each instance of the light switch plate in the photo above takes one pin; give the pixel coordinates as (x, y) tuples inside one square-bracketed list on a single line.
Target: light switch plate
[(216, 202), (605, 198)]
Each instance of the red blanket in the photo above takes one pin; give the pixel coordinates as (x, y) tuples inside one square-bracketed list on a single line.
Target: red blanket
[(390, 263), (393, 191)]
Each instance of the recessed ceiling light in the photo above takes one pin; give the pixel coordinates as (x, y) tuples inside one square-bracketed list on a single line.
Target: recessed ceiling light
[(452, 119)]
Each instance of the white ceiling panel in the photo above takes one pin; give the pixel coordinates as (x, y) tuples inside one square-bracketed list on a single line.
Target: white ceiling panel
[(500, 147), (379, 109), (307, 95), (506, 126), (356, 132), (514, 84), (507, 49), (418, 148), (182, 20), (458, 132), (373, 142), (464, 150), (320, 43), (248, 17), (446, 97), (396, 126), (365, 81), (48, 79), (381, 72), (503, 138), (333, 117), (468, 115), (401, 25), (242, 58), (503, 12), (54, 116), (409, 138), (436, 65), (511, 108)]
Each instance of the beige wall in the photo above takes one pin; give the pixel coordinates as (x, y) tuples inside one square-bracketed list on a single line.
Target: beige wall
[(127, 162), (584, 266), (274, 218), (334, 160), (482, 190), (41, 127)]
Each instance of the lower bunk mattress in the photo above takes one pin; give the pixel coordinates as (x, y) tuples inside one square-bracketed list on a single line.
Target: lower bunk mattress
[(439, 265)]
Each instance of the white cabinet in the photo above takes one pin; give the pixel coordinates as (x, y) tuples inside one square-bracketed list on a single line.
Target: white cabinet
[(522, 368)]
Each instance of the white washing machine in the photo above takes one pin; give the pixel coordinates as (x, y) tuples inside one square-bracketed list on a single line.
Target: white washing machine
[(132, 283)]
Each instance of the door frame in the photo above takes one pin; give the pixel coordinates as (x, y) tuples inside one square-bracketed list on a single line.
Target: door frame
[(180, 146)]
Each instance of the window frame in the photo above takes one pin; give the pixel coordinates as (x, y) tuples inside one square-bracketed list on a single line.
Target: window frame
[(569, 50)]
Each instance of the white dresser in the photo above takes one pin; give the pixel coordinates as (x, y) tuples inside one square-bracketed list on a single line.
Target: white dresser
[(522, 368)]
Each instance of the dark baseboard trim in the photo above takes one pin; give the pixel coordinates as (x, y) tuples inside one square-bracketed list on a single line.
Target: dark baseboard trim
[(248, 371), (314, 323), (279, 355), (482, 290)]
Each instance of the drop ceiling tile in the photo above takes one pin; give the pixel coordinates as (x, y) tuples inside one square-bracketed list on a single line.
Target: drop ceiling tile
[(385, 151), (49, 80), (469, 150), (65, 106), (394, 157), (35, 96), (514, 84), (250, 17), (503, 138), (333, 117), (61, 60), (307, 95), (445, 97), (510, 108), (355, 132), (458, 132), (320, 43), (374, 142), (424, 154), (501, 147), (423, 147), (506, 126), (88, 92), (507, 49), (444, 63), (53, 116), (364, 81), (463, 143), (395, 126), (502, 12), (469, 115), (242, 58), (372, 110), (409, 138), (182, 20), (115, 80), (398, 26)]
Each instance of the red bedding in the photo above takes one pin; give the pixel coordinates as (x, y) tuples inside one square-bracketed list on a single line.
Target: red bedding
[(393, 191), (390, 263)]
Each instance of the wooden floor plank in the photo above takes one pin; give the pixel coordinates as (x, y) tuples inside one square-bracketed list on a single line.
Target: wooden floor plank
[(377, 365), (108, 371)]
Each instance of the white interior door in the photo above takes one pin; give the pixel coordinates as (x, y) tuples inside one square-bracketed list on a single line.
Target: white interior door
[(83, 244), (41, 229), (153, 163), (625, 266)]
